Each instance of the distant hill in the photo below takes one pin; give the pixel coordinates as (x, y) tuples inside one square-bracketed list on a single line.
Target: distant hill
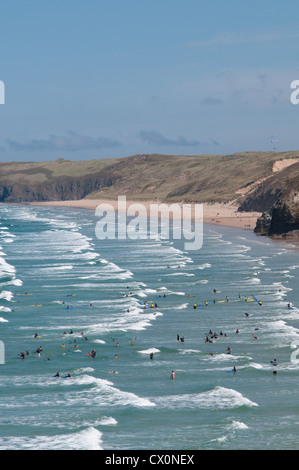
[(254, 181)]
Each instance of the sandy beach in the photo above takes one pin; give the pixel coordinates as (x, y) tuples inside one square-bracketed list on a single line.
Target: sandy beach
[(218, 214)]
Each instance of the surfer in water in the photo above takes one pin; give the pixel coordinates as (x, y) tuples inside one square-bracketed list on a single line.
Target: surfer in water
[(172, 375), (274, 362)]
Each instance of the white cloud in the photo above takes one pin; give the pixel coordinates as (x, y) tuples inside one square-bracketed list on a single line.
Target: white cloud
[(71, 142)]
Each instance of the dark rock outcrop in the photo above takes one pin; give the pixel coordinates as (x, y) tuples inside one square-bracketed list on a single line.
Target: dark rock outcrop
[(283, 219), (263, 223)]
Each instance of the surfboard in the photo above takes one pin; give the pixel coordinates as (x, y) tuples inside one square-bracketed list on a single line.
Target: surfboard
[(257, 301)]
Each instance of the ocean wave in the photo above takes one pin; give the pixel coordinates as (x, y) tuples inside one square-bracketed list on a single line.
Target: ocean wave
[(149, 351), (4, 309), (87, 439), (204, 266), (201, 281), (137, 320), (103, 392), (6, 295), (181, 307), (176, 293), (106, 421), (6, 268), (237, 425), (189, 351), (218, 398)]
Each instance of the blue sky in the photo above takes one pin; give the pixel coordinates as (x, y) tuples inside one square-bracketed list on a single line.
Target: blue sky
[(102, 79)]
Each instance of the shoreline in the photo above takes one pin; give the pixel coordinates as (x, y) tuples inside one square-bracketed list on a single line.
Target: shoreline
[(226, 215)]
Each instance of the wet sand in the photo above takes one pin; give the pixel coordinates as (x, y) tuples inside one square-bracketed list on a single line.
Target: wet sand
[(218, 214)]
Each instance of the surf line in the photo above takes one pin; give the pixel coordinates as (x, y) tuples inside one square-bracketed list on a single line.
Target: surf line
[(136, 222)]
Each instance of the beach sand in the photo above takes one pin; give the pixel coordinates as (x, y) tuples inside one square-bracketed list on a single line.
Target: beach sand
[(218, 214)]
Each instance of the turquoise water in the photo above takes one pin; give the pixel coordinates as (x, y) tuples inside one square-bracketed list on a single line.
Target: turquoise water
[(50, 259)]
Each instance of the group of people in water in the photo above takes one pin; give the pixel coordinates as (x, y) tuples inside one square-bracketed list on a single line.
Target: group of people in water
[(209, 338)]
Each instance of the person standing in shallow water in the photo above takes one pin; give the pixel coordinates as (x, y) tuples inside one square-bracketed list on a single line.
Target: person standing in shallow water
[(172, 375)]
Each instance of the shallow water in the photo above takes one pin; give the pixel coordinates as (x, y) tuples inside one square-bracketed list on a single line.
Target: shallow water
[(50, 259)]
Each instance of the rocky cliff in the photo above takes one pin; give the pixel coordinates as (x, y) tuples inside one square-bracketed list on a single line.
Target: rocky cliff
[(282, 219), (53, 188), (281, 206)]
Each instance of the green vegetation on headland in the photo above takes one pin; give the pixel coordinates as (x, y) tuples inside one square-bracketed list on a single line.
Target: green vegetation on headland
[(254, 181)]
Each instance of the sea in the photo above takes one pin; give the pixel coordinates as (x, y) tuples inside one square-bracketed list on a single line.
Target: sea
[(149, 309)]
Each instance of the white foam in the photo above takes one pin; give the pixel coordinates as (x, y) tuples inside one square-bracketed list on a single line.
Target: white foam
[(84, 369), (204, 266), (177, 293), (218, 398), (16, 282), (181, 274), (106, 421), (256, 365), (6, 295), (238, 425), (149, 351), (189, 351), (226, 357), (87, 439), (4, 309), (181, 307)]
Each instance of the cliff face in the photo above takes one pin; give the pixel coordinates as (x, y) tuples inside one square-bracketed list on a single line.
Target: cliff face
[(283, 219), (58, 189), (278, 197), (263, 223)]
